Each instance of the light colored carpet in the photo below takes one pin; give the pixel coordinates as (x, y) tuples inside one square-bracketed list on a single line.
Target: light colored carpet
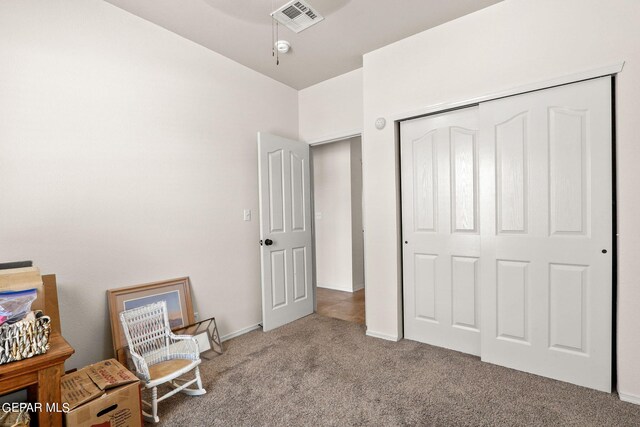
[(323, 371)]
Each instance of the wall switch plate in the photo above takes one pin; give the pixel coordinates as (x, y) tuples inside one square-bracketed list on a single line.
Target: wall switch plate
[(247, 214)]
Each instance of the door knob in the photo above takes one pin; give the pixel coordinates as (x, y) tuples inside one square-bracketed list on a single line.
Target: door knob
[(268, 242)]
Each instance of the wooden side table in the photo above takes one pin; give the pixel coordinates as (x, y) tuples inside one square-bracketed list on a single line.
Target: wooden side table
[(40, 375)]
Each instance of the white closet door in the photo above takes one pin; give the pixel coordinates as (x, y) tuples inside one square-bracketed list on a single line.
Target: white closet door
[(441, 230), (546, 227)]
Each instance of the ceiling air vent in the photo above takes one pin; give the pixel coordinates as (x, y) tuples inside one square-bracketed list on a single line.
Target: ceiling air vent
[(297, 15)]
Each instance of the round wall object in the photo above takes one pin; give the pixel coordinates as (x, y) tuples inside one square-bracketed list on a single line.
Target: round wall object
[(380, 123), (283, 46)]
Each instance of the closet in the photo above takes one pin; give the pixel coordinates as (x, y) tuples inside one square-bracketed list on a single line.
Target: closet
[(507, 217)]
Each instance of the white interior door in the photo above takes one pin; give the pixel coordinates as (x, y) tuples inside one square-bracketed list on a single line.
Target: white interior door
[(285, 229), (441, 230), (546, 209)]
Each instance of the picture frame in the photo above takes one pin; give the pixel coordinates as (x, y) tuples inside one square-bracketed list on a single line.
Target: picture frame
[(204, 342), (206, 334), (176, 292)]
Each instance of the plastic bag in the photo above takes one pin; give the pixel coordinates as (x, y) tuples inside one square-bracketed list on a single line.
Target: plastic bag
[(14, 305)]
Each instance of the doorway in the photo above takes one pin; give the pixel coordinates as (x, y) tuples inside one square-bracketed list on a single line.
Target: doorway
[(338, 229)]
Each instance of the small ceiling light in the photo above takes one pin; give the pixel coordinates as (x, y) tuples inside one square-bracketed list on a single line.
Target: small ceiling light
[(283, 46)]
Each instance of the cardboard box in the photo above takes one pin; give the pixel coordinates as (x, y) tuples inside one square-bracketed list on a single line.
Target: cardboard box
[(104, 394)]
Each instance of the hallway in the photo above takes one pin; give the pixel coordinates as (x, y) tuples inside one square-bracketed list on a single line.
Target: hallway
[(341, 305)]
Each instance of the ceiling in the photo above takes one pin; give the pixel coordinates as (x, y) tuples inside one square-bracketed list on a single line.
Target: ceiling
[(241, 30)]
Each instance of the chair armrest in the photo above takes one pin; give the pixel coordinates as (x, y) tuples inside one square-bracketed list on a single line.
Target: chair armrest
[(190, 344), (141, 364)]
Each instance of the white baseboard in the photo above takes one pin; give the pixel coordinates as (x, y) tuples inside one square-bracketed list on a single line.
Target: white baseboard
[(382, 336), (345, 288), (240, 332), (630, 398)]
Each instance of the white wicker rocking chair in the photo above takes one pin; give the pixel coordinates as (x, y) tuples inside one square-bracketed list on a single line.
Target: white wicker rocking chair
[(160, 356)]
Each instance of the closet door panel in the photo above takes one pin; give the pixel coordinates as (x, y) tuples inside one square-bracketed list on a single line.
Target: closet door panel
[(546, 229), (441, 241)]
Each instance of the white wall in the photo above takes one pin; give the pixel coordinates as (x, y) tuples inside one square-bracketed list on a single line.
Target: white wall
[(357, 240), (500, 47), (332, 206), (337, 194), (331, 109), (127, 155)]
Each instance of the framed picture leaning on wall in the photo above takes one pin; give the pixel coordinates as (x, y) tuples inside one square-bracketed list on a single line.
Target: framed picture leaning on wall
[(175, 292)]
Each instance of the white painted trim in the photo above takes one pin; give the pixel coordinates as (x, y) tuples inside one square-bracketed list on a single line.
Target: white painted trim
[(336, 136), (349, 288), (569, 78), (382, 336), (240, 332), (630, 398), (345, 288)]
